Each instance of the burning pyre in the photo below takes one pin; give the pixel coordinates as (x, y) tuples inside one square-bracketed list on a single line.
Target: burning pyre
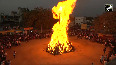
[(59, 41)]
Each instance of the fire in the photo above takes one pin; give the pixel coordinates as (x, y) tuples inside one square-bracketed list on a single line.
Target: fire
[(59, 41)]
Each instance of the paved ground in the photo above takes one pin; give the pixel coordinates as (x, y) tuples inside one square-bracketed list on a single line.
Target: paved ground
[(33, 53)]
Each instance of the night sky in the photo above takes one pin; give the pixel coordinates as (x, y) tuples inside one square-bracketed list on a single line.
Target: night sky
[(83, 7)]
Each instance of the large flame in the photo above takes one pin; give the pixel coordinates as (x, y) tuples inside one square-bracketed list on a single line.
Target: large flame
[(59, 37)]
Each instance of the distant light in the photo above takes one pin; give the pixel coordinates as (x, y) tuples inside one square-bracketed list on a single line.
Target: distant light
[(104, 26), (31, 31)]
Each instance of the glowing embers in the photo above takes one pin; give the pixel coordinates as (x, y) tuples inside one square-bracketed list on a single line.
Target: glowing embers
[(60, 48)]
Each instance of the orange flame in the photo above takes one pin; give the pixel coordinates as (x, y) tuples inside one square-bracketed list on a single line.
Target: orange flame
[(59, 36)]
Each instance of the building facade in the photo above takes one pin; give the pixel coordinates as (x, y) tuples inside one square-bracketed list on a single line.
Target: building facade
[(0, 18), (84, 20), (21, 12), (7, 18), (80, 20)]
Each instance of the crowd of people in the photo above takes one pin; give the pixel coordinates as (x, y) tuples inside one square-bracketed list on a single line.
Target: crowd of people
[(8, 40), (94, 37)]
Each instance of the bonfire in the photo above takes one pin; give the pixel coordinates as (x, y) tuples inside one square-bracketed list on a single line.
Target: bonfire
[(59, 40)]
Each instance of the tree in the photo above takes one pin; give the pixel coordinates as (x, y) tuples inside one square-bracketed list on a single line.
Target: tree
[(106, 23), (39, 17)]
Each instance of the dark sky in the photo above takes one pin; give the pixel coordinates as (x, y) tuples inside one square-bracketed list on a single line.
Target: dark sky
[(83, 7)]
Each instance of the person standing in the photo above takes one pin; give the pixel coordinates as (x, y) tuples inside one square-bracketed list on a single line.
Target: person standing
[(9, 62), (101, 59), (104, 50), (14, 53), (9, 45), (92, 64), (105, 62)]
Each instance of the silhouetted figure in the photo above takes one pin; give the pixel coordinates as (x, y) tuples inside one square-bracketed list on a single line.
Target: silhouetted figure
[(104, 50), (14, 53), (101, 59), (92, 64)]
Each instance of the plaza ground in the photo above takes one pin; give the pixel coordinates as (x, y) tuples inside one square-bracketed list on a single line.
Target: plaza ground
[(33, 53)]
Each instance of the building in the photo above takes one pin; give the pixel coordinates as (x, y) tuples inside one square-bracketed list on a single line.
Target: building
[(84, 20), (21, 12), (14, 13), (12, 17), (9, 21), (7, 18), (89, 19), (1, 19), (80, 20)]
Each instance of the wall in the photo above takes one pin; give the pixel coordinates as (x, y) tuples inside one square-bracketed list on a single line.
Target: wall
[(80, 20)]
